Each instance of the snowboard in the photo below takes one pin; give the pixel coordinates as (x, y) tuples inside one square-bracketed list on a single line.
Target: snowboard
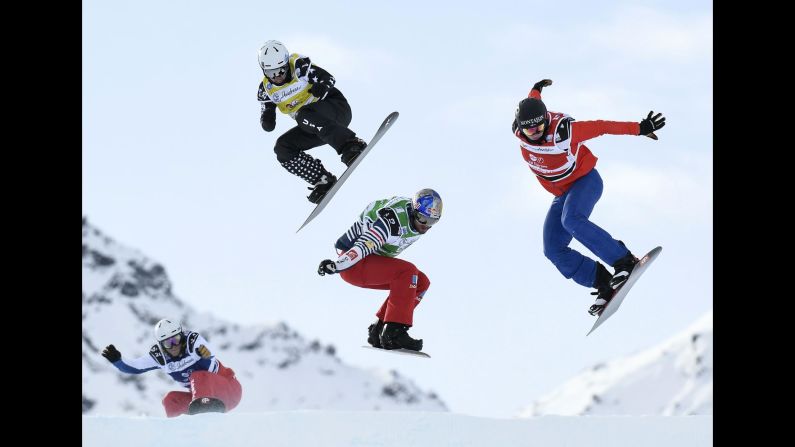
[(206, 405), (401, 351), (327, 198), (622, 291)]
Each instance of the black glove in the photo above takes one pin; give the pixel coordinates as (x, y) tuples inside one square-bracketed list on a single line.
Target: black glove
[(111, 354), (319, 90), (541, 84), (649, 124), (326, 266), (267, 119)]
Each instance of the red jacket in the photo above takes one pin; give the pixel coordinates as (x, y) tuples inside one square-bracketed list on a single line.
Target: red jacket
[(560, 157)]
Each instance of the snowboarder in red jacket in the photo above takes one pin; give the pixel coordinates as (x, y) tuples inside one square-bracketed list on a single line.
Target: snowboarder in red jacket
[(552, 145)]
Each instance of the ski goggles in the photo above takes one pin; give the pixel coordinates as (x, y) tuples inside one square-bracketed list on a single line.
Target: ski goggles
[(425, 220), (530, 131), (172, 341), (275, 72)]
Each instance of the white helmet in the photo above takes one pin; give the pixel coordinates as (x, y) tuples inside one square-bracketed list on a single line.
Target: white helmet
[(166, 328), (273, 57)]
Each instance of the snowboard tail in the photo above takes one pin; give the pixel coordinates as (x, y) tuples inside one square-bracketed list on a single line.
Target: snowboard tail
[(401, 351), (622, 291), (327, 198)]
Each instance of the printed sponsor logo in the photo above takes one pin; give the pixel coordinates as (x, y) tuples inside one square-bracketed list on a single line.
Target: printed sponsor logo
[(413, 284), (533, 148), (179, 365), (535, 120), (281, 95), (352, 255)]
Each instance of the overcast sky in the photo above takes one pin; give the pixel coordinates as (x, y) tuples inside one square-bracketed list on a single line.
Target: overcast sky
[(175, 164)]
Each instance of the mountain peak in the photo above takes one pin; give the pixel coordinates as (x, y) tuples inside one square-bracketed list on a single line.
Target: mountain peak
[(671, 378)]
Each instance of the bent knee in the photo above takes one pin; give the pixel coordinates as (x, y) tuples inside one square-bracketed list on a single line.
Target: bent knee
[(423, 282), (284, 150), (572, 223), (555, 254)]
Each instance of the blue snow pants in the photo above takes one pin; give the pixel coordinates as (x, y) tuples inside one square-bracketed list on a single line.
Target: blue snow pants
[(567, 218)]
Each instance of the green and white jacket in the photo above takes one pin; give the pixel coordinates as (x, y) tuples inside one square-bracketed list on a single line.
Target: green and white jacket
[(384, 228)]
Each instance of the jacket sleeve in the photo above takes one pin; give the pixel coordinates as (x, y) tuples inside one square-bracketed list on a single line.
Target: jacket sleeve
[(585, 130), (195, 340), (137, 365), (304, 68), (267, 118), (366, 241)]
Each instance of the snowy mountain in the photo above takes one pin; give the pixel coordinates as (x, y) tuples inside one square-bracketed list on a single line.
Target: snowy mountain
[(671, 379), (125, 293)]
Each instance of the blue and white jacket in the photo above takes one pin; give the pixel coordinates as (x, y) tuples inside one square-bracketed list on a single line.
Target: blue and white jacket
[(179, 368)]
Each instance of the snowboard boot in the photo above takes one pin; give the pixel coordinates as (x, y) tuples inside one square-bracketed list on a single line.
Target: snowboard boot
[(352, 149), (395, 336), (373, 332), (206, 405), (327, 180), (623, 267), (604, 293)]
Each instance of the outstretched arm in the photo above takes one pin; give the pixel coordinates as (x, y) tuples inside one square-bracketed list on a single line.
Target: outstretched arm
[(135, 366), (585, 130)]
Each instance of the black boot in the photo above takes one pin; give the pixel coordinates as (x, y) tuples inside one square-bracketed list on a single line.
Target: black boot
[(395, 336), (352, 149), (373, 332), (320, 189), (604, 293), (206, 405), (623, 267)]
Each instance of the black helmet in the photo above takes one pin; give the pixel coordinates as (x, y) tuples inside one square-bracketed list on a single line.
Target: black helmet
[(531, 112)]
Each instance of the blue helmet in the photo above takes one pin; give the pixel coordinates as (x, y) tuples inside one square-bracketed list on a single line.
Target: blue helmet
[(427, 205)]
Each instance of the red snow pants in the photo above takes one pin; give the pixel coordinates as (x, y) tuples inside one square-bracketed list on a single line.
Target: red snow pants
[(406, 285), (223, 386)]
